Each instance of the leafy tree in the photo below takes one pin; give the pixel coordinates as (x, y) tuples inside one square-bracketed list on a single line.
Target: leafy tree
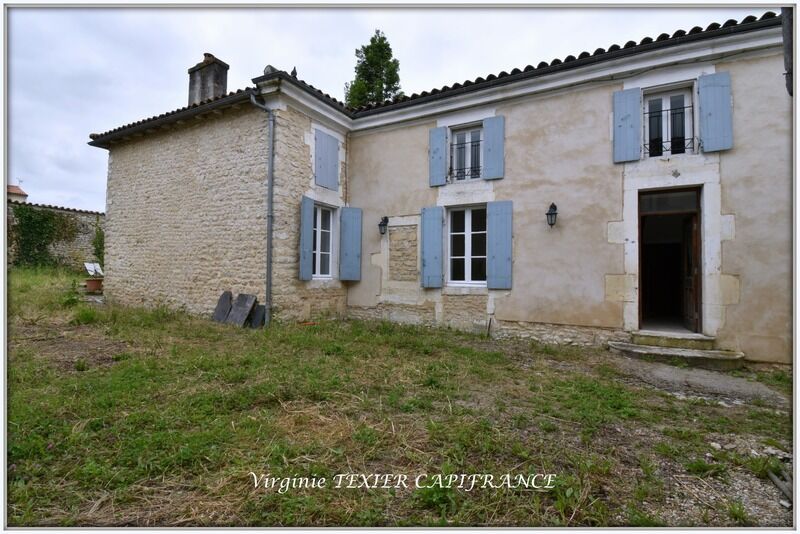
[(377, 74)]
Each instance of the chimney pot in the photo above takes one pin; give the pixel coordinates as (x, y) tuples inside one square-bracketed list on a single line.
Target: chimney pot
[(208, 79)]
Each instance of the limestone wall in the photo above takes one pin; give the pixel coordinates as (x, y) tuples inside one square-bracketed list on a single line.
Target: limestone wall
[(295, 299), (186, 213), (757, 196)]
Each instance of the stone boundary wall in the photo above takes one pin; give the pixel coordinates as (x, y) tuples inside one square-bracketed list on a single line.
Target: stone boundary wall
[(71, 253)]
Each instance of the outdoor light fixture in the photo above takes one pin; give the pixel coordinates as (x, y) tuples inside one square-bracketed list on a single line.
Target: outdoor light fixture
[(383, 224), (552, 213)]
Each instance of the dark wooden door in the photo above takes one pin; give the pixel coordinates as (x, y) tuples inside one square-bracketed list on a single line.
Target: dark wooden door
[(691, 274)]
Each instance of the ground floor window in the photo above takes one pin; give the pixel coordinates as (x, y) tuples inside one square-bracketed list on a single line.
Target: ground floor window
[(322, 244), (467, 246)]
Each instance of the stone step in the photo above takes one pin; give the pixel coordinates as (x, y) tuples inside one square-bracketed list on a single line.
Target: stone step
[(718, 360), (677, 340)]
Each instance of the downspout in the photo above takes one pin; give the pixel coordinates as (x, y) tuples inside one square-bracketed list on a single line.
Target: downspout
[(270, 195)]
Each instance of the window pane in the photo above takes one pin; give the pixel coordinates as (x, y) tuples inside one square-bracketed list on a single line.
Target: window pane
[(668, 201), (677, 118), (457, 221), (316, 211), (325, 264), (326, 219), (314, 263), (479, 220), (325, 237), (314, 247), (654, 126), (457, 269), (478, 269), (475, 164), (479, 244), (457, 245), (461, 154)]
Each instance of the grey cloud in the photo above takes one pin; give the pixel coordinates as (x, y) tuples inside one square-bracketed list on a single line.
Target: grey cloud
[(73, 71)]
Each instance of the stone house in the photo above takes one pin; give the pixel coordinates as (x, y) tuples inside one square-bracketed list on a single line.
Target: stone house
[(643, 187)]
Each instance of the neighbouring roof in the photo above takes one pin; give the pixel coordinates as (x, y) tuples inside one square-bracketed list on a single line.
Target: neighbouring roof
[(15, 190), (679, 37), (62, 208)]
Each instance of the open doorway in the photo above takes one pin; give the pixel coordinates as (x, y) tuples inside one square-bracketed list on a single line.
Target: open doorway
[(669, 260)]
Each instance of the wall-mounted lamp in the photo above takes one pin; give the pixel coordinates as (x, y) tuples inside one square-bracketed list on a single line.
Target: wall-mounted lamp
[(383, 224), (552, 213)]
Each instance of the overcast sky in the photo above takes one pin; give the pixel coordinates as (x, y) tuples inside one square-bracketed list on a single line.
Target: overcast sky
[(73, 71)]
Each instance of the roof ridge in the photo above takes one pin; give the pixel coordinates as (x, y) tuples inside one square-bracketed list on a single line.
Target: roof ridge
[(583, 55), (600, 54)]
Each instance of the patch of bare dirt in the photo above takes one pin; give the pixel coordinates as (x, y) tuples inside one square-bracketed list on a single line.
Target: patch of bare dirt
[(64, 346)]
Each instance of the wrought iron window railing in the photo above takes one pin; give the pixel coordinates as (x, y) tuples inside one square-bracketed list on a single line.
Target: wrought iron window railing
[(465, 160), (669, 131)]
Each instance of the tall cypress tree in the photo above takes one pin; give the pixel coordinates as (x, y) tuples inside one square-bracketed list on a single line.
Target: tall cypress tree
[(377, 74)]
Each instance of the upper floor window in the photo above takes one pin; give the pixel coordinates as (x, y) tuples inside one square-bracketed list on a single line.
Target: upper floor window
[(467, 246), (465, 153), (668, 124), (322, 241)]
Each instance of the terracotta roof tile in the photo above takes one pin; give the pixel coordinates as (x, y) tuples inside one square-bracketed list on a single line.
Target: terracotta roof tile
[(15, 190), (600, 54), (50, 206)]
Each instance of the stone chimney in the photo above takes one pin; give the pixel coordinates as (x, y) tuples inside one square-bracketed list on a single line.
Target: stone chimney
[(207, 79)]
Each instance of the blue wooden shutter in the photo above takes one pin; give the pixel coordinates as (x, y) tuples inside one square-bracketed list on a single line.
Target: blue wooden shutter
[(627, 125), (716, 123), (437, 156), (432, 224), (326, 160), (350, 244), (306, 238), (498, 239), (494, 147)]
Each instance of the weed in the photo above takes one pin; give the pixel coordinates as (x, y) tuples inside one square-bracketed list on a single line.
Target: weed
[(547, 425), (366, 435), (85, 315), (71, 297), (703, 469), (638, 518), (439, 498), (738, 513), (762, 465), (779, 379)]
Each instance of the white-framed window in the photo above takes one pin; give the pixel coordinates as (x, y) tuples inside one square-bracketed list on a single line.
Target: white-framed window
[(466, 152), (669, 123), (466, 246), (322, 246)]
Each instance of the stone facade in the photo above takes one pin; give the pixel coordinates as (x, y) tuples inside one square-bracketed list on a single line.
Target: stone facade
[(295, 299), (186, 213), (403, 253), (558, 334), (74, 252)]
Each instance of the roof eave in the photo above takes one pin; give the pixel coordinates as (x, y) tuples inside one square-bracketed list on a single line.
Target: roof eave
[(106, 140), (577, 63)]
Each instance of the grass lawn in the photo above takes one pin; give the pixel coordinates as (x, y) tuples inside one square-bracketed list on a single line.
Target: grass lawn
[(121, 416)]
